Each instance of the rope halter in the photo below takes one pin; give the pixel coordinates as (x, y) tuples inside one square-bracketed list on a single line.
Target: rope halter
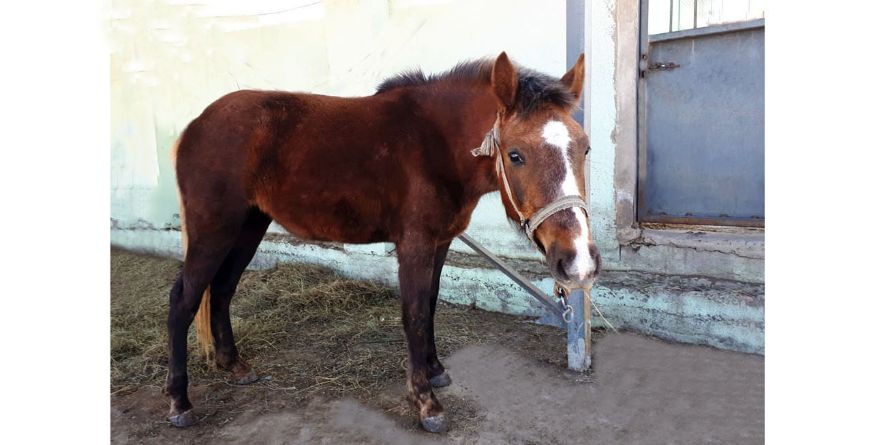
[(491, 146)]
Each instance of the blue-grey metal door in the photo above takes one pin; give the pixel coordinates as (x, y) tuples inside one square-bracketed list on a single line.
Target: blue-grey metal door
[(701, 113)]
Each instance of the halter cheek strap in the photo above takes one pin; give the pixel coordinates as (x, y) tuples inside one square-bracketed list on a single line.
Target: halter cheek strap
[(491, 146)]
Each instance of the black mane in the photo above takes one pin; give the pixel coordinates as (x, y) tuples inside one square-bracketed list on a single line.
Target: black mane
[(534, 89)]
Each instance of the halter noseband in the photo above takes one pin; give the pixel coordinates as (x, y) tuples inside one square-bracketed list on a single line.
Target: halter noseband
[(491, 146)]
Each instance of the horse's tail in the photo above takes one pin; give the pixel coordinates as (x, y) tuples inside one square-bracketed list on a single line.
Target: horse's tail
[(202, 319)]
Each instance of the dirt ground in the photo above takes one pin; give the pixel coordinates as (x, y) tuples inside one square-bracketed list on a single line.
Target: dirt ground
[(331, 354)]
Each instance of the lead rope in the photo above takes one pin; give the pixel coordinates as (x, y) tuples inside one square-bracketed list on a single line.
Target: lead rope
[(562, 291)]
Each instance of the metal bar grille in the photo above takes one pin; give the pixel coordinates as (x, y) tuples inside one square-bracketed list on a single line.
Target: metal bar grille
[(668, 16)]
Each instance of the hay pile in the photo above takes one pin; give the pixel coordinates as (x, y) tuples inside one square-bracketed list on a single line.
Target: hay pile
[(310, 330)]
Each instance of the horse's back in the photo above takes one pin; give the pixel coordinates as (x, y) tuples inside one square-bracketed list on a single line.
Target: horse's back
[(324, 167)]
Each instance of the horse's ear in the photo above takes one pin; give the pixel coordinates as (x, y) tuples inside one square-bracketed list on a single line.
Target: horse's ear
[(504, 80), (574, 79)]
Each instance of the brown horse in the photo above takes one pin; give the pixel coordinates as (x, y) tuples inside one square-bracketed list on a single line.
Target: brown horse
[(396, 167)]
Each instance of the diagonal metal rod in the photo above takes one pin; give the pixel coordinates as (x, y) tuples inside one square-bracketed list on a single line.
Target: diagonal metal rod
[(512, 274), (578, 329)]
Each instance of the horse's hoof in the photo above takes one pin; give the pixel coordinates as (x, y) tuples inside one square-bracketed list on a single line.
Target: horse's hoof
[(439, 381), (250, 377), (435, 424), (183, 420)]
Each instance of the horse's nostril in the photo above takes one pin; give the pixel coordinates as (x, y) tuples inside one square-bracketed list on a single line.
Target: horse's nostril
[(597, 262), (561, 270)]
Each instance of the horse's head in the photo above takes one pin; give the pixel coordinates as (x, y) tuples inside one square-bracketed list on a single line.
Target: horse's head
[(541, 154)]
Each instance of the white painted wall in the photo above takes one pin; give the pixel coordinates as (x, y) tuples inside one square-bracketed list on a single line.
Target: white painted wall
[(600, 118), (171, 58)]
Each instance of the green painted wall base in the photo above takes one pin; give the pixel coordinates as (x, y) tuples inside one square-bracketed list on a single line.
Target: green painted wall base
[(720, 313)]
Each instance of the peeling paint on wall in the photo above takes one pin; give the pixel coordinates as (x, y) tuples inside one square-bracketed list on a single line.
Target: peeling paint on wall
[(720, 313)]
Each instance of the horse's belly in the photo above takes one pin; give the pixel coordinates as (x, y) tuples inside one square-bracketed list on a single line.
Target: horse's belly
[(342, 219), (325, 193)]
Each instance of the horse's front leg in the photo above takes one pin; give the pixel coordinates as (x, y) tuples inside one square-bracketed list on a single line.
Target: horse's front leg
[(416, 287), (436, 372)]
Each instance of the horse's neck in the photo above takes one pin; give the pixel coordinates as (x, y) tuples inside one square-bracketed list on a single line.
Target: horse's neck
[(466, 115)]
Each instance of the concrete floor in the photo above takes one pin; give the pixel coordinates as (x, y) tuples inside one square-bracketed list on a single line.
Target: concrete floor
[(643, 391)]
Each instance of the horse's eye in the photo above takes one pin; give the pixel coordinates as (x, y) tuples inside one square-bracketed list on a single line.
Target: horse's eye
[(587, 150), (515, 157)]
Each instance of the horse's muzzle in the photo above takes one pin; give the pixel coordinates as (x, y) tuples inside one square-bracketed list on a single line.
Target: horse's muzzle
[(574, 268)]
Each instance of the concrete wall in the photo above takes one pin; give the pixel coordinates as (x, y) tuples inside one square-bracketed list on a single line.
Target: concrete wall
[(171, 58)]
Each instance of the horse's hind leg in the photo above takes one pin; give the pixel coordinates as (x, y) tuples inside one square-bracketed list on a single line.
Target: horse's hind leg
[(209, 241), (224, 284)]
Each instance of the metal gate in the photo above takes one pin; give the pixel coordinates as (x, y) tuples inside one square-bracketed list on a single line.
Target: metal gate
[(701, 112)]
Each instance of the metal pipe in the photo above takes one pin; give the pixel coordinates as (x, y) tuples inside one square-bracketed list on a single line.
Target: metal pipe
[(695, 14), (578, 329), (671, 17), (512, 274)]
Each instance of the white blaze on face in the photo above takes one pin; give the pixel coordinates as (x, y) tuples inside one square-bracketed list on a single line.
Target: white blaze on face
[(556, 134)]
